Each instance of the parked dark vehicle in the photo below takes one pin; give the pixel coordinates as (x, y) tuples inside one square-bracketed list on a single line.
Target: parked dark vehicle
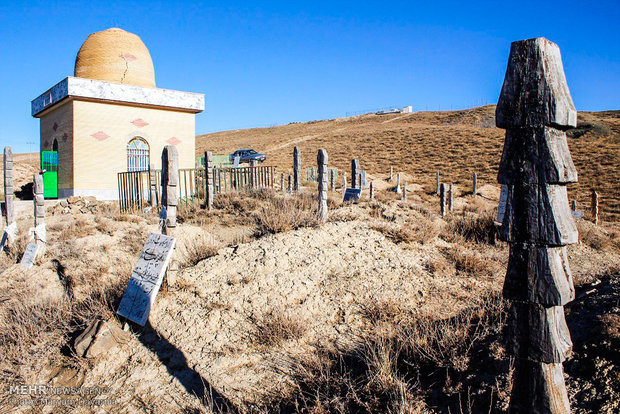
[(247, 155)]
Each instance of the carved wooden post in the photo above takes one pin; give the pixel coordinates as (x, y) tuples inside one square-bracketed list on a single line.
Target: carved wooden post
[(332, 179), (355, 174), (372, 190), (290, 182), (282, 182), (437, 189), (169, 187), (397, 189), (152, 185), (321, 160), (297, 169), (39, 212), (594, 206), (475, 185), (209, 179), (450, 198), (405, 192), (11, 228), (442, 199), (535, 108)]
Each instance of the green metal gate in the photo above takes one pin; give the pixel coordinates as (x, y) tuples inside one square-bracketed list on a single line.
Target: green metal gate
[(49, 163)]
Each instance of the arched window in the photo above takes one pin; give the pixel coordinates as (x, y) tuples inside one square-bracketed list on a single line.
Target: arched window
[(137, 155)]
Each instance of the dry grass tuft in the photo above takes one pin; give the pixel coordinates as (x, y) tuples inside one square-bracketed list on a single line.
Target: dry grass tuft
[(472, 262), (418, 231), (597, 237), (282, 214), (197, 249), (472, 227), (274, 328)]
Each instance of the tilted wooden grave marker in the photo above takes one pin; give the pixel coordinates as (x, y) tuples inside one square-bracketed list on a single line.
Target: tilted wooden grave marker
[(535, 108)]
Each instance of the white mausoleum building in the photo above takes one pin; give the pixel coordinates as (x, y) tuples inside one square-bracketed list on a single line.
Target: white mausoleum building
[(110, 117)]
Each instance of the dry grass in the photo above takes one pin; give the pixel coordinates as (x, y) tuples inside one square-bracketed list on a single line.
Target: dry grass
[(415, 231), (422, 143), (479, 228), (392, 370), (275, 327), (196, 250), (282, 214)]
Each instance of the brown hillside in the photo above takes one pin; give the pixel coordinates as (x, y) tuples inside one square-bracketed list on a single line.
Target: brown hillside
[(455, 142)]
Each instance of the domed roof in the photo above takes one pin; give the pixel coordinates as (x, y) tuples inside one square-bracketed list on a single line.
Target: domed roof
[(115, 55)]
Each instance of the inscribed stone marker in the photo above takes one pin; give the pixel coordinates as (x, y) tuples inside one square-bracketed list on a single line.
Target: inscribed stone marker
[(30, 255), (352, 194), (146, 278)]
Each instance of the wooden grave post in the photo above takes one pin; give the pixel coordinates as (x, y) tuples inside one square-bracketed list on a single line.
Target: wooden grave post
[(535, 108), (170, 198), (397, 189), (38, 232), (372, 190), (209, 180), (404, 197), (344, 183), (10, 231), (391, 173), (322, 160), (594, 206), (475, 184), (450, 198), (355, 174), (296, 169), (442, 199), (152, 185), (437, 188)]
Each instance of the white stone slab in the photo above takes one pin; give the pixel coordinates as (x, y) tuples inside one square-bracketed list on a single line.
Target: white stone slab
[(503, 199), (117, 92), (146, 278), (30, 255)]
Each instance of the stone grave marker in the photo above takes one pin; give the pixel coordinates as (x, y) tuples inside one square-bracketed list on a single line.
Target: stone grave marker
[(352, 195), (146, 278), (501, 207), (30, 255)]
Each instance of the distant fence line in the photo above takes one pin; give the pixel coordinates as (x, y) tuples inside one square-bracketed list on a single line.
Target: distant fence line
[(140, 189)]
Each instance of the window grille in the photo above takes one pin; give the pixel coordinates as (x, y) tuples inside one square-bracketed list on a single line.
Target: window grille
[(137, 155)]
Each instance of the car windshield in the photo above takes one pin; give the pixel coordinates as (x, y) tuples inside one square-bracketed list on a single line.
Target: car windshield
[(250, 152)]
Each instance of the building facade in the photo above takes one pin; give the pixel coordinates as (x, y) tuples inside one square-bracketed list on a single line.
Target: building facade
[(110, 117)]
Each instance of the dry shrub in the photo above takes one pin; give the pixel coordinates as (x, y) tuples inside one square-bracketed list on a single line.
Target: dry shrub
[(104, 225), (343, 215), (81, 227), (386, 196), (418, 231), (33, 329), (198, 249), (282, 214), (272, 329), (407, 369), (471, 261), (437, 265), (595, 236), (472, 227)]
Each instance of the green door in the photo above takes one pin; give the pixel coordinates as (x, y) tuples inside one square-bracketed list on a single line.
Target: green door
[(49, 163)]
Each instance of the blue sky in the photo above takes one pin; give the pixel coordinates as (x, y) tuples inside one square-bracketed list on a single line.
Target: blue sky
[(268, 63)]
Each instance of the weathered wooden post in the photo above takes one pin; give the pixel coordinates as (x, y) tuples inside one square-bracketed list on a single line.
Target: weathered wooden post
[(209, 179), (391, 173), (282, 182), (404, 197), (573, 205), (169, 188), (10, 231), (594, 206), (39, 212), (475, 184), (344, 183), (372, 190), (355, 174), (321, 160), (437, 189), (152, 185), (332, 179), (290, 182), (535, 108), (253, 175), (442, 199), (397, 189), (297, 169), (450, 198)]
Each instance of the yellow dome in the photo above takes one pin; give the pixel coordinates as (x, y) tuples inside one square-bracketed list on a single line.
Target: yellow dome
[(115, 55)]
